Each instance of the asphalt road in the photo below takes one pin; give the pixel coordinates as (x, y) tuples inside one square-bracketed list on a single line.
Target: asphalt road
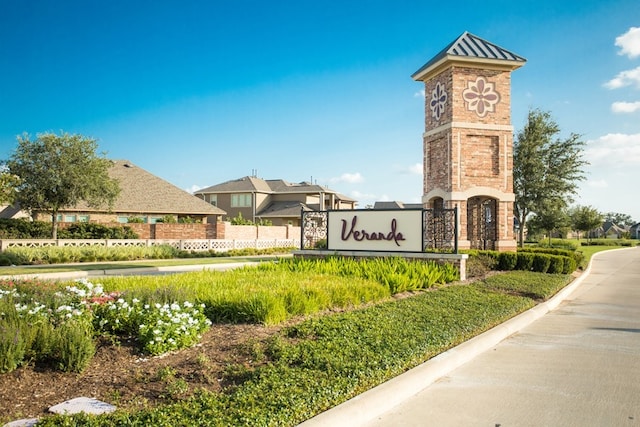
[(578, 365)]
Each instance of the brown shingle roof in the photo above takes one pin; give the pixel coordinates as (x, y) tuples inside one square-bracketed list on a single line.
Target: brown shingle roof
[(283, 209), (269, 186), (244, 184), (143, 192)]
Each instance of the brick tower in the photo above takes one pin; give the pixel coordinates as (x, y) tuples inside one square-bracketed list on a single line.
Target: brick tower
[(468, 139)]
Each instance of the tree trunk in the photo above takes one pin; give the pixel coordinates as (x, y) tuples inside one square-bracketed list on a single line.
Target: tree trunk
[(54, 225), (521, 230)]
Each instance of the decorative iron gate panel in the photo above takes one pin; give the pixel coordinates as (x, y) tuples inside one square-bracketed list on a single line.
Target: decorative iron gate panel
[(440, 229), (314, 229), (481, 223)]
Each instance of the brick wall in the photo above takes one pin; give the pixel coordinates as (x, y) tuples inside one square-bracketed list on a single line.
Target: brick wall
[(249, 232)]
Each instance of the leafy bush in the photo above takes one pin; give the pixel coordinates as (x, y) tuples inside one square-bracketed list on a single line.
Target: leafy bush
[(524, 261), (73, 347), (575, 254), (541, 263), (556, 264), (480, 263), (507, 261), (570, 265), (24, 229), (89, 230), (609, 242), (14, 341)]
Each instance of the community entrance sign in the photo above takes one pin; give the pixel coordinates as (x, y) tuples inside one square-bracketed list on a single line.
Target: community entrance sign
[(393, 230)]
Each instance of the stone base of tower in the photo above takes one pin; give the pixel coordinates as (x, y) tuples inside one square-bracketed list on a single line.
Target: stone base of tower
[(500, 245), (506, 246)]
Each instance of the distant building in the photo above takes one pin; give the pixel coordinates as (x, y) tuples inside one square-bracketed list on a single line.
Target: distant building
[(275, 200), (396, 205)]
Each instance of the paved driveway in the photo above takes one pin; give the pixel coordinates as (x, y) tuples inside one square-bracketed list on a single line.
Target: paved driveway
[(578, 365)]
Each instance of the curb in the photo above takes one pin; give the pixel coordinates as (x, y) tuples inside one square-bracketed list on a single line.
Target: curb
[(71, 275), (381, 399)]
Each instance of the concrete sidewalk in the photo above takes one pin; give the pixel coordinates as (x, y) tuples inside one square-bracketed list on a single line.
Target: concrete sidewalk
[(578, 365), (132, 271)]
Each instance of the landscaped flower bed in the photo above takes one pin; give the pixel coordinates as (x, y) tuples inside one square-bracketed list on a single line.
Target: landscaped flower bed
[(305, 368)]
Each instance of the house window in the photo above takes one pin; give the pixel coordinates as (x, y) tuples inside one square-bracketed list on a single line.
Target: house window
[(83, 218), (155, 219), (69, 218), (213, 199), (59, 217), (240, 200), (123, 219)]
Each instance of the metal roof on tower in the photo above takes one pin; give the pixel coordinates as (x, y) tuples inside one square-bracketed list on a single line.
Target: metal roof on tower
[(470, 48)]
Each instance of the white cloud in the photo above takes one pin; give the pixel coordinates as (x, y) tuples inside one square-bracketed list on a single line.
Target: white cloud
[(615, 149), (362, 196), (351, 178), (629, 42), (414, 169), (193, 188), (598, 183), (625, 78), (419, 94), (625, 107)]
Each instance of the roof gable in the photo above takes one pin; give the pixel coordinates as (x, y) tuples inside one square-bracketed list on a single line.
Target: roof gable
[(141, 191), (471, 48), (241, 185)]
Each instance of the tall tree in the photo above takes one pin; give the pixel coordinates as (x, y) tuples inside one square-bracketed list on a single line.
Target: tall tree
[(549, 219), (585, 219), (58, 171), (546, 169), (8, 184), (619, 218)]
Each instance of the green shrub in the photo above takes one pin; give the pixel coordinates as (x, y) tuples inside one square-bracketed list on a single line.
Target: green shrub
[(507, 261), (541, 263), (24, 229), (90, 230), (524, 261), (13, 343), (570, 265), (73, 347), (557, 263)]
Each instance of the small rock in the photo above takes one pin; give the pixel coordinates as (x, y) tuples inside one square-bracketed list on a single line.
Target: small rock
[(27, 422), (82, 404)]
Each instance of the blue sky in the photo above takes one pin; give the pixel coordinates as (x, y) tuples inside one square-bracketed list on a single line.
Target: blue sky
[(201, 92)]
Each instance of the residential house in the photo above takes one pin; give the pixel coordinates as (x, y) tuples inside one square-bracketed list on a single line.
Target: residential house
[(396, 205), (275, 200), (144, 196), (608, 230), (634, 231)]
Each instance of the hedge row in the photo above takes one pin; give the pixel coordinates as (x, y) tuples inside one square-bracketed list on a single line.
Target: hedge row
[(552, 261), (25, 229)]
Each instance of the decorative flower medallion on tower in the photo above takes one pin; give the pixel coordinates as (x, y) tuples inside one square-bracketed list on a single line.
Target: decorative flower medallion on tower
[(481, 96), (438, 100)]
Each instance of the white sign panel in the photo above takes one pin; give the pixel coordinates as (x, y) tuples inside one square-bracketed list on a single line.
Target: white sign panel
[(375, 230)]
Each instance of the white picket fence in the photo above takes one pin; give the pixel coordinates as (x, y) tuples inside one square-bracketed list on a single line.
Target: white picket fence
[(195, 245)]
